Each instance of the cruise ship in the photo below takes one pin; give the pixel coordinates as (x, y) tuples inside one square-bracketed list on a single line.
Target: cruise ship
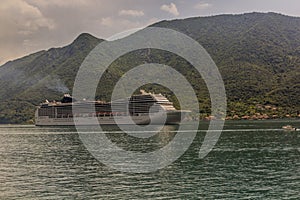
[(141, 109)]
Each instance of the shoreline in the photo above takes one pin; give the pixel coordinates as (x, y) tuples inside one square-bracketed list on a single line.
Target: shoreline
[(201, 120)]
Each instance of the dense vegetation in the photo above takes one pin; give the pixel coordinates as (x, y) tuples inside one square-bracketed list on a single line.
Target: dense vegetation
[(257, 54)]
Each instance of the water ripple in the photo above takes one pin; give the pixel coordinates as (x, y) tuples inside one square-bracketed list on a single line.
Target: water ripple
[(258, 161)]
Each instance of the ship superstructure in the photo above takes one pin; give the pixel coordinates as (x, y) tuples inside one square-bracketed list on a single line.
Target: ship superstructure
[(144, 108)]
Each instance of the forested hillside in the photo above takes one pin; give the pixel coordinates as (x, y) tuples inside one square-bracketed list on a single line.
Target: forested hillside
[(258, 55)]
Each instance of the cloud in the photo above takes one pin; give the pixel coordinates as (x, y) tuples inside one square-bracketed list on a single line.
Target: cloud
[(25, 17), (19, 21), (117, 25), (58, 3), (202, 5), (133, 13), (170, 8), (106, 21)]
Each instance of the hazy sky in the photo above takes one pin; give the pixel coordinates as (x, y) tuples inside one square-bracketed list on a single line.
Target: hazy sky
[(27, 26)]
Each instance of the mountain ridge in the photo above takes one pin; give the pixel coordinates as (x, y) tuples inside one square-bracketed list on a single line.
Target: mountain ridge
[(39, 75), (258, 55)]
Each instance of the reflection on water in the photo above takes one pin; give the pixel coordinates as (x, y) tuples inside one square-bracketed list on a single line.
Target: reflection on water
[(251, 160)]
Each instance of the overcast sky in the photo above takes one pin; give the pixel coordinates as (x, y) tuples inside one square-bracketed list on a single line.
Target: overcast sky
[(27, 26)]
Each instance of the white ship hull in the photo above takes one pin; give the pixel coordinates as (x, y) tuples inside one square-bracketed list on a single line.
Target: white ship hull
[(143, 109), (172, 117)]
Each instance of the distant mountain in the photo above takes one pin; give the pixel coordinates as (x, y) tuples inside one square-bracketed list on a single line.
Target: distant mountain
[(258, 55), (43, 75)]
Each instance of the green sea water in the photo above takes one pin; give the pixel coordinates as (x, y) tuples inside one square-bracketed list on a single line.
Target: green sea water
[(251, 160)]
